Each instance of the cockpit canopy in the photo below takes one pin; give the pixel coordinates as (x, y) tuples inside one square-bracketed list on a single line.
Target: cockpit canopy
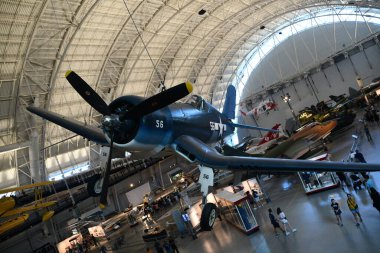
[(199, 103)]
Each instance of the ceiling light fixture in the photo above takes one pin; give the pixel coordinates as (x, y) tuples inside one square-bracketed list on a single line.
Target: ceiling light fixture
[(201, 12)]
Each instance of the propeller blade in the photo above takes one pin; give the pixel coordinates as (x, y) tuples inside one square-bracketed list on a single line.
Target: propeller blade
[(87, 93), (158, 101), (89, 132), (103, 194)]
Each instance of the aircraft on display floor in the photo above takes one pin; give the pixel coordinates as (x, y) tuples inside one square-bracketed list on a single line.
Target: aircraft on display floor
[(260, 145), (337, 108), (16, 215), (301, 144), (372, 87), (146, 126), (315, 131)]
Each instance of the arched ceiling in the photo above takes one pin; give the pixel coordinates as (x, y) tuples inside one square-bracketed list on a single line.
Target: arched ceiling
[(124, 47)]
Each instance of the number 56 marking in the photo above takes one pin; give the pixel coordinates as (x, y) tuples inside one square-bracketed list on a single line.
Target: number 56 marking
[(159, 123)]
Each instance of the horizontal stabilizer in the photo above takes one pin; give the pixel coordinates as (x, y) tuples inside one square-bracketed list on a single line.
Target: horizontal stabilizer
[(91, 133), (252, 127)]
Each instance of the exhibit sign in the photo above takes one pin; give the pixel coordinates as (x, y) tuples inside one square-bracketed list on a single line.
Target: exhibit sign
[(97, 231), (70, 243)]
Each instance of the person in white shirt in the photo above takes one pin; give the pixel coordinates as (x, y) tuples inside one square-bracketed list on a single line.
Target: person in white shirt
[(284, 220)]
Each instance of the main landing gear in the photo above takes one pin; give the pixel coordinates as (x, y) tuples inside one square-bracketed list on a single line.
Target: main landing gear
[(209, 211), (94, 185)]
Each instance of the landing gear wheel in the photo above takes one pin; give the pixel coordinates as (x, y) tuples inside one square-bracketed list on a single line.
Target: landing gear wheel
[(208, 216), (94, 185)]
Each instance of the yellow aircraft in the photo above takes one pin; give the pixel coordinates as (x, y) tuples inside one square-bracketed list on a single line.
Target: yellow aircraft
[(18, 215), (315, 131)]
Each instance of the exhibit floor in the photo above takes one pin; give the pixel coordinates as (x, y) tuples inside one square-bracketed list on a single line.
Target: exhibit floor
[(317, 229)]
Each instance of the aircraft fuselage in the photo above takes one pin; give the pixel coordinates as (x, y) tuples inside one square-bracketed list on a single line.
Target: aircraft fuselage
[(162, 127)]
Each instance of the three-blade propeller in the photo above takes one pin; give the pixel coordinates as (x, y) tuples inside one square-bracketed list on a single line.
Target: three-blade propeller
[(147, 106)]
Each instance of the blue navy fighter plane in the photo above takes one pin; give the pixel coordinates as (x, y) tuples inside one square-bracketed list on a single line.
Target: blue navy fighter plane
[(146, 126)]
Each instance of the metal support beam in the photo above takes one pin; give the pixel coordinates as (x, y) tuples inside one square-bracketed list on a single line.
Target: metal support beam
[(34, 158), (116, 198), (366, 56), (14, 146), (353, 65), (328, 81)]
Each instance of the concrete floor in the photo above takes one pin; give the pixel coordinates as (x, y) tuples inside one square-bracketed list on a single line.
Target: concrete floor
[(317, 230)]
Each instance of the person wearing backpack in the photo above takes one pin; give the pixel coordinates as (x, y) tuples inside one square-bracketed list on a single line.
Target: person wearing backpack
[(354, 208)]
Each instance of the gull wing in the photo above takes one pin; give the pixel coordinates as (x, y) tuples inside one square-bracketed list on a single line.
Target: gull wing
[(196, 150)]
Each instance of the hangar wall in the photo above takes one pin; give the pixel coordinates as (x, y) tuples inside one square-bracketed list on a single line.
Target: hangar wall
[(302, 95), (302, 51), (339, 78)]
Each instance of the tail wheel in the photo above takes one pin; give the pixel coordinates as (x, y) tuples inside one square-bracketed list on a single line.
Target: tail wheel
[(94, 185), (208, 216)]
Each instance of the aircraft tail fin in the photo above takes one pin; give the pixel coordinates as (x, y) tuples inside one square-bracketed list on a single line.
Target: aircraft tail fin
[(230, 102), (282, 133), (272, 135)]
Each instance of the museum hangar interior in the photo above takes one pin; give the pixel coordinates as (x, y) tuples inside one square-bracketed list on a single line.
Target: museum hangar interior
[(154, 125)]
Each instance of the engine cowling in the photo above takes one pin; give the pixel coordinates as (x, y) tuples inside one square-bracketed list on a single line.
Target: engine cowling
[(124, 131)]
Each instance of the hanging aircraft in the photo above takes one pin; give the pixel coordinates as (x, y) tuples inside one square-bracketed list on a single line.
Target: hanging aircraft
[(263, 107), (15, 215), (140, 125)]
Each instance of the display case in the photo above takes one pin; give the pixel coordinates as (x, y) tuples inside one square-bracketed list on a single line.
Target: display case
[(70, 243), (237, 210), (249, 185), (314, 182)]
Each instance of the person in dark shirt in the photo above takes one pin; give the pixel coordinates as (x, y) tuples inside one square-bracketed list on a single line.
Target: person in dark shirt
[(366, 131), (375, 116), (250, 197), (167, 247), (356, 182), (274, 222), (337, 211), (158, 247), (375, 196), (94, 240), (256, 198), (173, 245), (103, 249), (342, 178), (359, 156)]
